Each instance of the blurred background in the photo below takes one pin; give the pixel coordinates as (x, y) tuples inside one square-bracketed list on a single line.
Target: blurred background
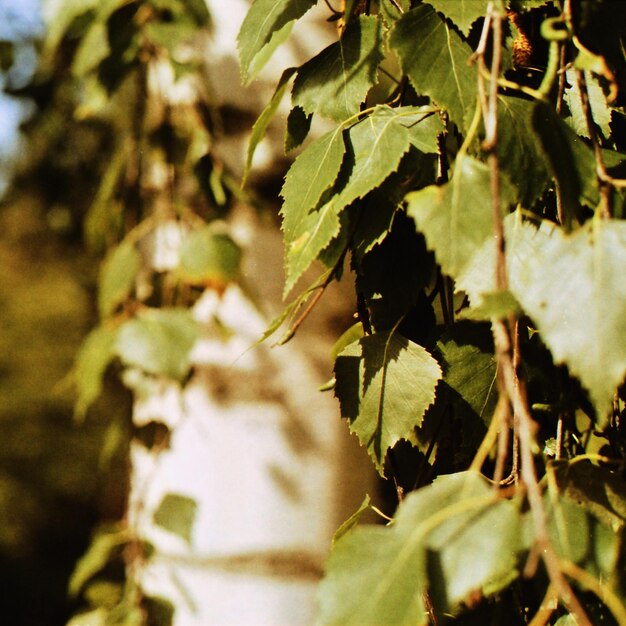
[(112, 113)]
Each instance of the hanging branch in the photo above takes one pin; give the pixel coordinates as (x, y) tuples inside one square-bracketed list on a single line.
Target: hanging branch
[(509, 384)]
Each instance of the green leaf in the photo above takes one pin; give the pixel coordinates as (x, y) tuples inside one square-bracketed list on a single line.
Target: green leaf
[(493, 305), (600, 110), (521, 153), (352, 521), (209, 257), (385, 383), (263, 20), (311, 174), (596, 489), (571, 160), (463, 13), (93, 48), (393, 10), (309, 228), (451, 538), (470, 370), (378, 143), (92, 360), (314, 234), (434, 57), (456, 218), (260, 126), (177, 513), (101, 550), (117, 277), (158, 342), (572, 287), (334, 83)]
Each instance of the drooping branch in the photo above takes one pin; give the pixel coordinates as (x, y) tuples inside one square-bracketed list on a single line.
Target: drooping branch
[(510, 386)]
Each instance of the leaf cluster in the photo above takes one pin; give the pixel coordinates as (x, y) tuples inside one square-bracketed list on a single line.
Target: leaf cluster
[(407, 186)]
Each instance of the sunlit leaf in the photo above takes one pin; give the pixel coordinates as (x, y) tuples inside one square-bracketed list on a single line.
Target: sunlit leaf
[(263, 20), (463, 13), (435, 58), (452, 538), (334, 83), (385, 383), (260, 126), (311, 174), (600, 110), (571, 286), (456, 218)]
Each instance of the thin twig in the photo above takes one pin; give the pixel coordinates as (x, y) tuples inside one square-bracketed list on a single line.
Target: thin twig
[(509, 384), (603, 177)]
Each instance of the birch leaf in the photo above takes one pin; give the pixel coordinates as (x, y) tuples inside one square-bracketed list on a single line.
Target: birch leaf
[(434, 57), (385, 383), (334, 83)]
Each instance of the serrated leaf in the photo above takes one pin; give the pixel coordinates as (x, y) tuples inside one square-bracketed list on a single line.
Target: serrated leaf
[(385, 383), (434, 57), (263, 20), (311, 174), (334, 83), (158, 341), (450, 539), (522, 156), (600, 110), (208, 258), (456, 218), (315, 233), (262, 122), (463, 13), (571, 160), (176, 514), (117, 277), (92, 360), (571, 286), (378, 144)]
